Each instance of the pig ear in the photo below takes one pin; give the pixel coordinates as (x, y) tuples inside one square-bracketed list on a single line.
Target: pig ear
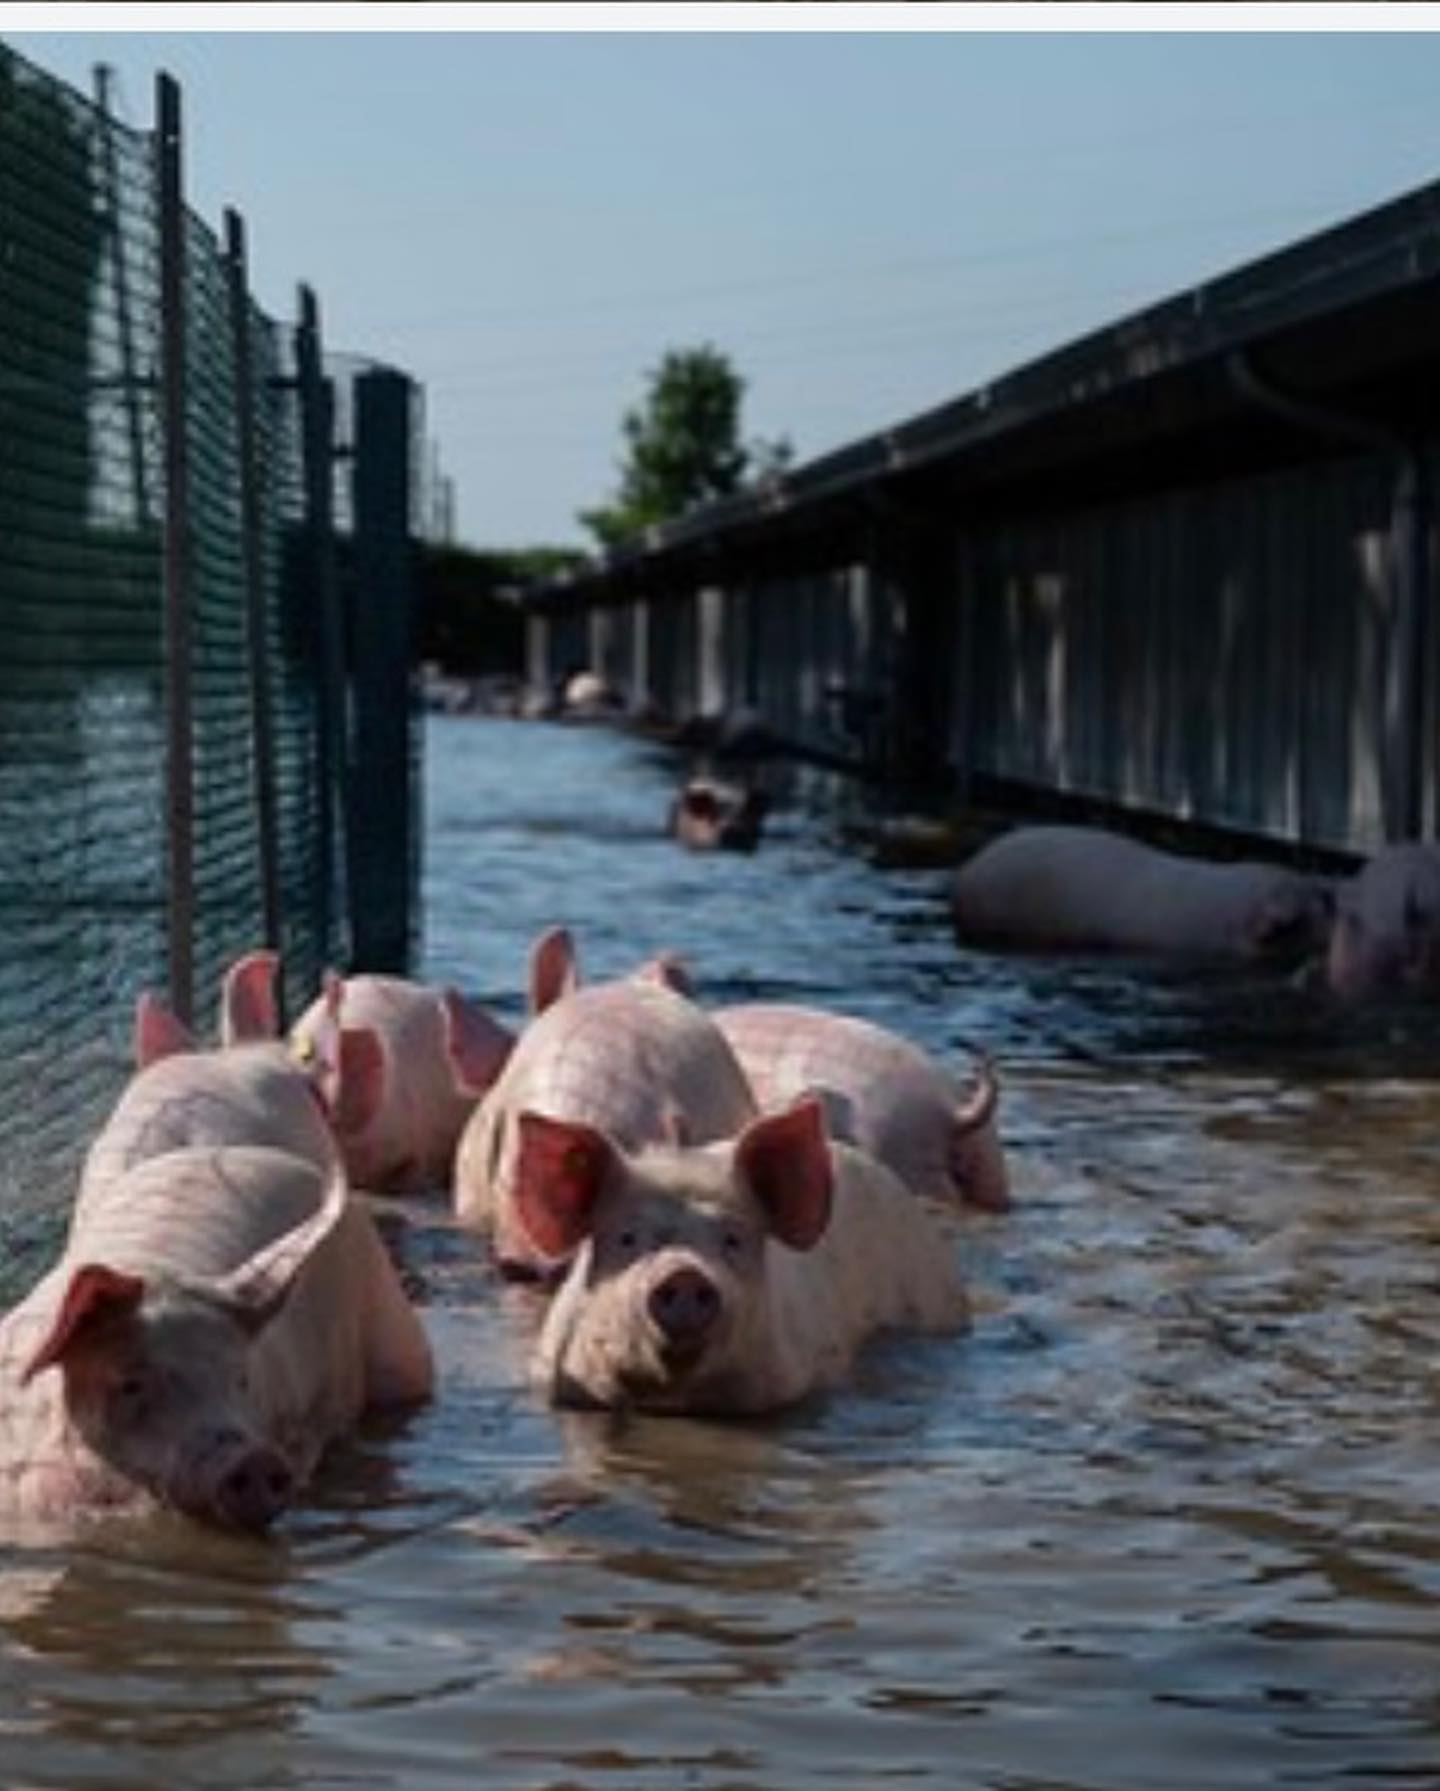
[(158, 1033), (247, 1000), (476, 1045), (93, 1292), (978, 1108), (559, 1171), (354, 1087), (667, 968), (554, 969), (255, 1292), (785, 1160)]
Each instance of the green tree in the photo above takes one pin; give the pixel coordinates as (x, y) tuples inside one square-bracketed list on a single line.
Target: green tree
[(683, 446)]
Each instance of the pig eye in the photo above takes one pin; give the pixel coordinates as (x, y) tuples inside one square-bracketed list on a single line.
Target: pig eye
[(732, 1242), (132, 1390), (627, 1239)]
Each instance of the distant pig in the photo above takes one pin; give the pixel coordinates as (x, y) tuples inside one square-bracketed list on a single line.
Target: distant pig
[(252, 1090), (218, 1316), (1386, 937), (711, 812), (731, 1279), (405, 1141), (632, 1057), (886, 1096), (1083, 889)]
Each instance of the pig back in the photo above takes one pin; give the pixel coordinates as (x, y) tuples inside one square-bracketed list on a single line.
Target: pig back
[(1083, 888), (896, 1102), (885, 1261), (240, 1095)]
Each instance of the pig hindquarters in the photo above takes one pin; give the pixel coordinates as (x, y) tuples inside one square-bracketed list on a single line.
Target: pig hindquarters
[(218, 1316), (734, 1278), (891, 1100), (253, 1090)]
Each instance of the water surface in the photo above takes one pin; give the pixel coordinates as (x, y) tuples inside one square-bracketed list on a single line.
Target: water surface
[(1165, 1519)]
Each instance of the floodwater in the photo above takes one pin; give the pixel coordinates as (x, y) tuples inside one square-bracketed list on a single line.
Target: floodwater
[(1166, 1519)]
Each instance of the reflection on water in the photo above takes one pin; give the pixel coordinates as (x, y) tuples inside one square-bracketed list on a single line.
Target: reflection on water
[(1166, 1518)]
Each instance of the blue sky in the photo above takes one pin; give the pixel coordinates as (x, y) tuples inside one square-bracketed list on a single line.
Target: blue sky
[(867, 222)]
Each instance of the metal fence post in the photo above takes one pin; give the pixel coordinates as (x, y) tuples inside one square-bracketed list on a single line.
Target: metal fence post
[(262, 726), (179, 717), (317, 429), (124, 315), (383, 839)]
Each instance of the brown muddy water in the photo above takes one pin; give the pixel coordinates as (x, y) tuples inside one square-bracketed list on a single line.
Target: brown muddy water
[(1167, 1518)]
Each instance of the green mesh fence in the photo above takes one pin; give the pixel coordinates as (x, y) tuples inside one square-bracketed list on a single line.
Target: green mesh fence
[(84, 925)]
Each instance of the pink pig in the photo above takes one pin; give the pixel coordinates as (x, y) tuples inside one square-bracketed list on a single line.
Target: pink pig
[(253, 1090), (1063, 888), (631, 1057), (731, 1279), (886, 1096), (217, 1317), (405, 1142)]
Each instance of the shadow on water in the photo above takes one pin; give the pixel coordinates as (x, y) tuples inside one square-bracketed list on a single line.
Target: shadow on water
[(1166, 1518)]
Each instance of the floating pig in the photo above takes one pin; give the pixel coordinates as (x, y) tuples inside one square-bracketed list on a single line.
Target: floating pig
[(884, 1095), (1082, 889), (217, 1317), (252, 1090), (1386, 937), (403, 1141), (731, 1279), (631, 1057), (710, 812)]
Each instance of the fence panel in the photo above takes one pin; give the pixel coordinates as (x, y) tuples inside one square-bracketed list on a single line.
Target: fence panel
[(83, 687)]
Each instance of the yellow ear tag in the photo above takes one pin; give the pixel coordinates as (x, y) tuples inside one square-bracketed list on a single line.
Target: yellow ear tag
[(303, 1051)]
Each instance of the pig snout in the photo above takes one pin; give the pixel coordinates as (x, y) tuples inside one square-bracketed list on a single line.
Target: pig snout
[(684, 1306), (245, 1486)]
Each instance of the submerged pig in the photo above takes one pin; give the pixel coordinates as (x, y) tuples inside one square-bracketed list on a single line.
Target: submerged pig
[(404, 1140), (736, 1278), (885, 1095), (218, 1316), (631, 1057), (1083, 889), (712, 813), (252, 1090), (1386, 937)]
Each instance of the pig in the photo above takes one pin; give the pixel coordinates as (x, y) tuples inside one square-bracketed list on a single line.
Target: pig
[(711, 812), (884, 1095), (731, 1279), (218, 1315), (631, 1056), (1083, 889), (587, 694), (252, 1090), (1386, 936), (406, 1142)]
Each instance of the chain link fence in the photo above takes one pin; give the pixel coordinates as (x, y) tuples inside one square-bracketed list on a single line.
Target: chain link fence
[(185, 638)]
